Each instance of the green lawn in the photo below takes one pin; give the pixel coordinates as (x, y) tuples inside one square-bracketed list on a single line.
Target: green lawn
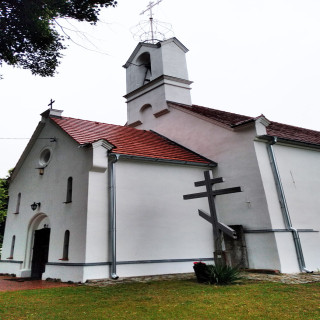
[(165, 300)]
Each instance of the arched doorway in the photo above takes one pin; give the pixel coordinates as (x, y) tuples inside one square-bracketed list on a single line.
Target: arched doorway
[(40, 252), (38, 245)]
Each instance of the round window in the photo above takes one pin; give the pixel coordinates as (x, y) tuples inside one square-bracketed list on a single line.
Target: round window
[(45, 157)]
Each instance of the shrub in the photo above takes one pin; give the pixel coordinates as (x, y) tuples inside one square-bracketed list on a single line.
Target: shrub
[(223, 274), (216, 274)]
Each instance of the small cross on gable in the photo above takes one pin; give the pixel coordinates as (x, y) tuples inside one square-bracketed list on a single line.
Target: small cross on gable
[(51, 103)]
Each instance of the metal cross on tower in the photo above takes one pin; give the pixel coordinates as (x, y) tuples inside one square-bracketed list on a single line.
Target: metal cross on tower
[(218, 227), (149, 7)]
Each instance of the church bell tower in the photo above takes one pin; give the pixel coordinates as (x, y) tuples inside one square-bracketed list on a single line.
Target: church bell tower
[(155, 74)]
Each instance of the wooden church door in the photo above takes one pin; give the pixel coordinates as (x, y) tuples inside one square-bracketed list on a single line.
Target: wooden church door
[(40, 252)]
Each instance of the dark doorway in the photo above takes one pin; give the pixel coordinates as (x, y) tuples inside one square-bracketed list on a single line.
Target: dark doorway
[(40, 252)]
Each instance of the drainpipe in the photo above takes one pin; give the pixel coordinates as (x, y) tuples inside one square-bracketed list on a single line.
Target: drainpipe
[(112, 213), (284, 206)]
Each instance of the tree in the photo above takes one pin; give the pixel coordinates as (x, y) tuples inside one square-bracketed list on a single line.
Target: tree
[(4, 199), (28, 37)]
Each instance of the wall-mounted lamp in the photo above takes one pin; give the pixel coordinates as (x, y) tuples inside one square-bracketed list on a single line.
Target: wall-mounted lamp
[(35, 205), (41, 170)]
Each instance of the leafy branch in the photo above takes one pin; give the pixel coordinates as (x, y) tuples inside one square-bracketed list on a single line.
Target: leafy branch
[(29, 38)]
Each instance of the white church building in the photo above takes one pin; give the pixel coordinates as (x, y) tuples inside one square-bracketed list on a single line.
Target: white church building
[(91, 200)]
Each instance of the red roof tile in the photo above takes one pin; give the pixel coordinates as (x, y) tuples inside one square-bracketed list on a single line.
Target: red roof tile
[(275, 129), (127, 140), (287, 132), (227, 118)]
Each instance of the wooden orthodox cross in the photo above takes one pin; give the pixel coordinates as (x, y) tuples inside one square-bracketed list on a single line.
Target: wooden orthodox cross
[(218, 227)]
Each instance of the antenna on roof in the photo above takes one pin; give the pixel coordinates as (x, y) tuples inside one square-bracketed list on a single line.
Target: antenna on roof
[(149, 31)]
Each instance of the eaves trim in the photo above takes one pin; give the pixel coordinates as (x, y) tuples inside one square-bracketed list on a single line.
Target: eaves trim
[(296, 143), (155, 83), (162, 160)]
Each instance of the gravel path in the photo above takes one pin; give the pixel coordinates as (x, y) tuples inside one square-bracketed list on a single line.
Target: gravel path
[(282, 278)]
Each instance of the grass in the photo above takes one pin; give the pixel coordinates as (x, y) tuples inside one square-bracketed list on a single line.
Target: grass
[(165, 300)]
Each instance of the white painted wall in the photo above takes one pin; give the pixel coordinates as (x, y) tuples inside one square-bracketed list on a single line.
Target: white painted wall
[(262, 253), (49, 189), (167, 59), (156, 96), (300, 176), (154, 222), (235, 153)]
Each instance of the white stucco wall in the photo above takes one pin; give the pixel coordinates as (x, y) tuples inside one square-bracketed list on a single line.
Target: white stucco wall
[(156, 96), (235, 153), (299, 170), (49, 189), (155, 223), (168, 59)]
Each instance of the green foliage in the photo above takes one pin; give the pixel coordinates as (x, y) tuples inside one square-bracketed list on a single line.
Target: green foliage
[(28, 38), (4, 185), (222, 275), (4, 199), (216, 274)]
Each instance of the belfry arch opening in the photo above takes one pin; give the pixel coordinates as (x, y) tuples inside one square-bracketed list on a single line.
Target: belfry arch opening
[(144, 64)]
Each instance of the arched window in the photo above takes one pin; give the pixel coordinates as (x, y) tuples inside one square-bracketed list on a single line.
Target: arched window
[(13, 241), (18, 202), (65, 255), (69, 190)]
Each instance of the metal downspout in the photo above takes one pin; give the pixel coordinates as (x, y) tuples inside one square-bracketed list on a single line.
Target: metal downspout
[(284, 206), (112, 211)]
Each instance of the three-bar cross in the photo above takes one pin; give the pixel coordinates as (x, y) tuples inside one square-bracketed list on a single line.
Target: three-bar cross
[(217, 226)]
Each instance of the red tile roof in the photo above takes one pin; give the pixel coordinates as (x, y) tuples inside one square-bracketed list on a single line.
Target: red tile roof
[(275, 129), (128, 141), (227, 118), (293, 133)]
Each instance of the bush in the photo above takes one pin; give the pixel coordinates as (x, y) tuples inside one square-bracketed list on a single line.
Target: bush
[(212, 274), (223, 274)]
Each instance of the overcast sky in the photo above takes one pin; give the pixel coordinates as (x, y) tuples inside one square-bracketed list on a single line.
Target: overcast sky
[(246, 56)]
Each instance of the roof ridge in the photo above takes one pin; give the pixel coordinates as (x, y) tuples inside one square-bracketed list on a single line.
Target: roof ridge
[(230, 119), (238, 114), (110, 124)]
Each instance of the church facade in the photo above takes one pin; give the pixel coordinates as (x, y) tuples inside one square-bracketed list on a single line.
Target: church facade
[(108, 200)]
